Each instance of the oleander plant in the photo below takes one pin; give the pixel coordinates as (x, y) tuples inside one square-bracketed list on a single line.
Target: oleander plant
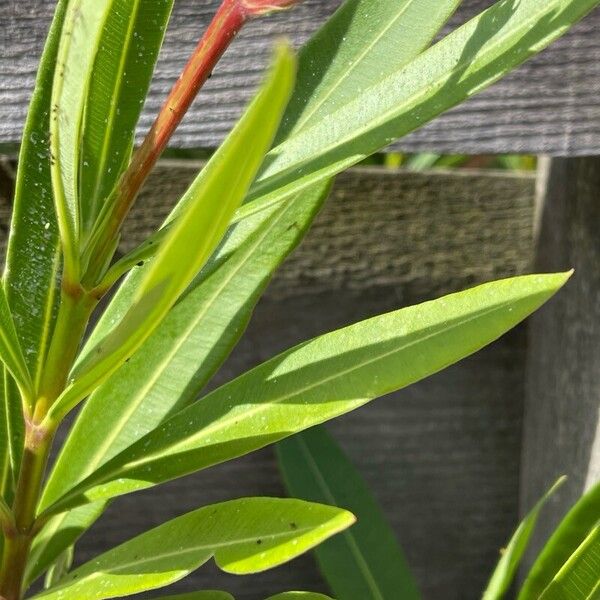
[(136, 370)]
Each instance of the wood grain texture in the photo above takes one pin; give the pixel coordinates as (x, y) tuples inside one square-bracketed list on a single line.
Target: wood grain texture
[(428, 232), (550, 105), (562, 411)]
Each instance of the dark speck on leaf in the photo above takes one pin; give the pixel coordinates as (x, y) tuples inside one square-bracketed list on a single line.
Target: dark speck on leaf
[(259, 542), (293, 526)]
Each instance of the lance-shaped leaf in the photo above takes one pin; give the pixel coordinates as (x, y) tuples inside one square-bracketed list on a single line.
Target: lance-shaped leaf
[(84, 23), (565, 540), (579, 578), (211, 201), (459, 66), (299, 596), (33, 253), (506, 569), (244, 536), (316, 381), (175, 363), (122, 69), (365, 562), (12, 434), (361, 44), (10, 351)]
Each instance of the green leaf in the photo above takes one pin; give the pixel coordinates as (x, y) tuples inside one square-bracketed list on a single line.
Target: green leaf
[(461, 65), (507, 566), (59, 568), (244, 536), (579, 578), (58, 534), (316, 381), (205, 595), (567, 537), (11, 354), (33, 254), (299, 596), (365, 562), (12, 434), (209, 206), (175, 363), (122, 69), (84, 24), (362, 43)]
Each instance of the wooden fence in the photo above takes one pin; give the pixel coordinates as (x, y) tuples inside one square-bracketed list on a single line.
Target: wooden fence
[(456, 458)]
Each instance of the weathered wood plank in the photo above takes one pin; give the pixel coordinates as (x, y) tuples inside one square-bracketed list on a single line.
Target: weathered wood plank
[(551, 105), (562, 410)]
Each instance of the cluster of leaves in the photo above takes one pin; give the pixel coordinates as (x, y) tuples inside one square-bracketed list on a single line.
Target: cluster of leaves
[(366, 561), (367, 77)]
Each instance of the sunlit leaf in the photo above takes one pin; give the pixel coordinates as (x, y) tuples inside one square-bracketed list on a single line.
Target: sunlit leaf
[(316, 381), (361, 44), (175, 363), (565, 540), (299, 596), (508, 564), (209, 205), (579, 578), (244, 536), (10, 351), (122, 69)]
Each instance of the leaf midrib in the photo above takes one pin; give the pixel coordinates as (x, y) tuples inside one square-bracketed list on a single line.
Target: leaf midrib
[(114, 105), (361, 56), (263, 406), (96, 459), (361, 562), (396, 109), (210, 548)]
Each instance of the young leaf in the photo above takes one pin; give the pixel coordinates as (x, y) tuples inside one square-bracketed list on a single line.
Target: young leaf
[(316, 381), (175, 363), (33, 253), (59, 568), (10, 351), (84, 24), (244, 536), (365, 562), (362, 43), (299, 596), (511, 556), (58, 534), (565, 540), (459, 66), (122, 69), (211, 201), (579, 578)]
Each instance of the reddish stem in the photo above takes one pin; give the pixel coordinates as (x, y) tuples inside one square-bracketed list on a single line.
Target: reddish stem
[(227, 22)]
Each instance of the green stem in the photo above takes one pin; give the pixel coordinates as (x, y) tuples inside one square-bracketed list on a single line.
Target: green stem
[(75, 309), (19, 538)]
